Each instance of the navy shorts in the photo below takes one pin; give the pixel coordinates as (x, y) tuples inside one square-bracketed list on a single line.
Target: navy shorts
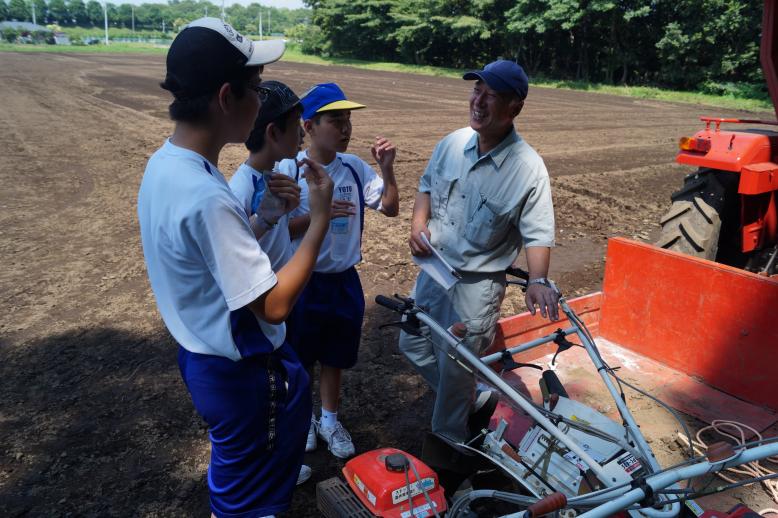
[(326, 323), (258, 412)]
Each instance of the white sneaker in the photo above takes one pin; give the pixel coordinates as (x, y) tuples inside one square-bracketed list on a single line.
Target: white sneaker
[(310, 442), (338, 440), (305, 474)]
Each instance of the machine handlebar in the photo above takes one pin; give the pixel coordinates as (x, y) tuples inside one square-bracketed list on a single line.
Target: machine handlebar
[(390, 303), (517, 272)]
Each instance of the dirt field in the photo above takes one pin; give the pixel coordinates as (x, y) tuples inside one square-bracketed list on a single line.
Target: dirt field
[(94, 420)]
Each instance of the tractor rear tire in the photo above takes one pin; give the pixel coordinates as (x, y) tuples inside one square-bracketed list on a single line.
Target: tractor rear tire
[(693, 225)]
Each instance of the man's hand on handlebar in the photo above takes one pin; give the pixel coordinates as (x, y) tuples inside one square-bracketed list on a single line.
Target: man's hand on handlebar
[(545, 297)]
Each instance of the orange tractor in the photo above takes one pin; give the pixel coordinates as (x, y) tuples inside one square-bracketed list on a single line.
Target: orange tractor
[(727, 211)]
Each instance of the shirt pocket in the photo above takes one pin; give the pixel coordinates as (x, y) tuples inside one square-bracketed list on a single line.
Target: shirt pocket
[(441, 188), (487, 225)]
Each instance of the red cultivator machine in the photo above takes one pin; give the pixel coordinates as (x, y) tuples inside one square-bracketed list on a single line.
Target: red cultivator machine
[(693, 328)]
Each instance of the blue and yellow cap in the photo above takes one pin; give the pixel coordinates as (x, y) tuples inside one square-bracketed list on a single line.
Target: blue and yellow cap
[(326, 97)]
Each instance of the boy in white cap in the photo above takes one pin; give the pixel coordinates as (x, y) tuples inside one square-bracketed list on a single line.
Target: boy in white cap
[(213, 284), (326, 323)]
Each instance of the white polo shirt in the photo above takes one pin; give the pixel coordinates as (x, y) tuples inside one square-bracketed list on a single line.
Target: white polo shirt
[(275, 242), (203, 261), (342, 246)]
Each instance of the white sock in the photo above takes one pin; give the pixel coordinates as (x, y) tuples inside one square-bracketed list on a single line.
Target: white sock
[(328, 419)]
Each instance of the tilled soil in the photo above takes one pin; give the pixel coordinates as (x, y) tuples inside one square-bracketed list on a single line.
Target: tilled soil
[(94, 420)]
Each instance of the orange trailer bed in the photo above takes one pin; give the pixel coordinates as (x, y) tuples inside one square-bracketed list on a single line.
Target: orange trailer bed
[(699, 335)]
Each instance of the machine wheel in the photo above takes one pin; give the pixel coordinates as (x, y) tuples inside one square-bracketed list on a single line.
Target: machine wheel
[(700, 220)]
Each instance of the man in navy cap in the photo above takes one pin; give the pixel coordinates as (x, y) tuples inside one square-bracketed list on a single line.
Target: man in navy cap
[(484, 195)]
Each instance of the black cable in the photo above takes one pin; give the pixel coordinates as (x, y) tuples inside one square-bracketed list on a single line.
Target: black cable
[(535, 473), (666, 407), (720, 489), (619, 381)]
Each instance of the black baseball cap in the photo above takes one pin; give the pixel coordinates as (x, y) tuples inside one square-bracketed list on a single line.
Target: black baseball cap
[(279, 99), (209, 52), (502, 76)]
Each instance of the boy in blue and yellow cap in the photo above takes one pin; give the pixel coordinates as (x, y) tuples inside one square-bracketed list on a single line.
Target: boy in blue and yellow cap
[(326, 323)]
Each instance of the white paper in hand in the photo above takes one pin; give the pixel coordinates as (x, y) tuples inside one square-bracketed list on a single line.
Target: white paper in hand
[(437, 267)]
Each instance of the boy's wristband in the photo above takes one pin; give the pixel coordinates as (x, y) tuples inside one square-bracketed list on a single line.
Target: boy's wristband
[(265, 223), (262, 223)]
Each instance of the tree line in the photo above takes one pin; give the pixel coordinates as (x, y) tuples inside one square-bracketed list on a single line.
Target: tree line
[(691, 44), (150, 16), (706, 45)]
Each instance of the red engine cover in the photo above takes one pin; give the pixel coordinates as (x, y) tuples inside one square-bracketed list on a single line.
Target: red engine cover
[(739, 511), (385, 493)]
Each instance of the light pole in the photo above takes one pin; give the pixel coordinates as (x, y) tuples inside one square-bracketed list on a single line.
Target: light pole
[(33, 13), (260, 24), (132, 10), (105, 16)]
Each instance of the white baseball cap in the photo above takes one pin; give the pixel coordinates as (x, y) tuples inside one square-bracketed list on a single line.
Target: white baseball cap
[(257, 52), (209, 52)]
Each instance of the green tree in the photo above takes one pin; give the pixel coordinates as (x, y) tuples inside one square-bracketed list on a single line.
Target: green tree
[(3, 10), (9, 34), (77, 12), (58, 12), (358, 29), (309, 37), (94, 13), (124, 15), (41, 11), (150, 16), (20, 11), (113, 15), (709, 42)]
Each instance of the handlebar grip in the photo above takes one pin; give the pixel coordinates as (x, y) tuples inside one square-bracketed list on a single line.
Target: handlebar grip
[(549, 504), (390, 303), (517, 272)]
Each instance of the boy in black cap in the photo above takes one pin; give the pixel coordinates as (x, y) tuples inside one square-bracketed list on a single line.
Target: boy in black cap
[(214, 285), (265, 193), (277, 135)]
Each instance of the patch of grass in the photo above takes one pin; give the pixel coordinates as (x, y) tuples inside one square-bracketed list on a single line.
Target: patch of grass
[(119, 48), (734, 99), (294, 55), (738, 102)]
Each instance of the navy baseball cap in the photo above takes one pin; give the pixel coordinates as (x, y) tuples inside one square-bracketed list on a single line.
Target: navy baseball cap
[(209, 52), (326, 97), (278, 101), (502, 76)]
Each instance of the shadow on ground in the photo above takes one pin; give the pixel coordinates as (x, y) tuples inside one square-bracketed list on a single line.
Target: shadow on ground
[(94, 422), (97, 422)]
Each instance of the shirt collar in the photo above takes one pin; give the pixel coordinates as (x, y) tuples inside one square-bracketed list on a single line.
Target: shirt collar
[(499, 153), (184, 152)]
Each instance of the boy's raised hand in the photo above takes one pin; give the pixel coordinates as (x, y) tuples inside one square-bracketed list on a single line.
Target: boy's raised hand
[(287, 189), (320, 188), (384, 152)]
